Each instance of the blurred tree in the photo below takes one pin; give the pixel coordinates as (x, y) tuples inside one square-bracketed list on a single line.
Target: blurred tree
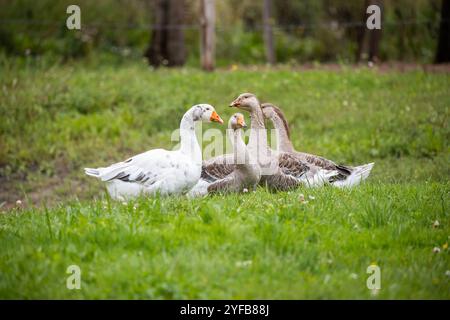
[(268, 33), (361, 33), (375, 37), (208, 17), (369, 40), (443, 48), (167, 45), (306, 30)]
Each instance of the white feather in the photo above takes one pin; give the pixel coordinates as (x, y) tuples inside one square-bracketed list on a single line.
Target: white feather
[(317, 179), (200, 189), (358, 175)]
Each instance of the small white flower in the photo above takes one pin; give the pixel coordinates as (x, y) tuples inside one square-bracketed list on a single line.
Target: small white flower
[(436, 250), (436, 224), (245, 190), (374, 292), (301, 197), (311, 197), (19, 203), (243, 264)]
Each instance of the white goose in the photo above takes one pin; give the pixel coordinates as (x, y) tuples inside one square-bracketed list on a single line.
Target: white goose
[(160, 171)]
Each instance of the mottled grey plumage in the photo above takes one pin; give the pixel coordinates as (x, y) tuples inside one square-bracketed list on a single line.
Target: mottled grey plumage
[(289, 171), (346, 175), (217, 168), (245, 173)]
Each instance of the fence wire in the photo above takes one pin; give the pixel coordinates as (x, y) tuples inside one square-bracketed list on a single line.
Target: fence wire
[(257, 27)]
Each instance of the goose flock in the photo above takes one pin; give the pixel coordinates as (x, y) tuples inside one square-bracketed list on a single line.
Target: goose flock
[(183, 171)]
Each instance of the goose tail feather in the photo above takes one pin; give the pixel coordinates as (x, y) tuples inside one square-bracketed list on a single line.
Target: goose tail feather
[(358, 175), (92, 172), (319, 178)]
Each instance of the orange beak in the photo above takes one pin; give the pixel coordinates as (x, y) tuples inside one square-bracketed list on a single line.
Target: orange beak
[(215, 117), (235, 103), (241, 122)]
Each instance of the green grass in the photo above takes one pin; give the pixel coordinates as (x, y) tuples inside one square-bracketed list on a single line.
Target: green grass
[(55, 121)]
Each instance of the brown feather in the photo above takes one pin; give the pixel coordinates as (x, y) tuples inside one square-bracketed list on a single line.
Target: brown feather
[(291, 165), (223, 185), (217, 168), (280, 182)]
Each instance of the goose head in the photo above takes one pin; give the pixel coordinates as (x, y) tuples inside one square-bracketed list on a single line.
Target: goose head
[(237, 122), (206, 113), (246, 101)]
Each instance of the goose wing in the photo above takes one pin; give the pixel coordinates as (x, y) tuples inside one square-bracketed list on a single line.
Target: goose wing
[(217, 168), (145, 168), (302, 171), (280, 181), (291, 165), (222, 185), (288, 175), (321, 162)]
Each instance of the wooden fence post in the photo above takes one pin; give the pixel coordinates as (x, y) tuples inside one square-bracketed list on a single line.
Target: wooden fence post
[(268, 33), (208, 19)]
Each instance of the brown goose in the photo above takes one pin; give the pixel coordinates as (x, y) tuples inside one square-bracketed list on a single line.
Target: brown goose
[(348, 176), (245, 175), (280, 170)]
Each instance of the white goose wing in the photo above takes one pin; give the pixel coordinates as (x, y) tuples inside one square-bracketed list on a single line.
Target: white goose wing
[(144, 168)]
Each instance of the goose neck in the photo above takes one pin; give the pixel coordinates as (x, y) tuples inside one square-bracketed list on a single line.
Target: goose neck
[(258, 133), (240, 153), (188, 139), (284, 143)]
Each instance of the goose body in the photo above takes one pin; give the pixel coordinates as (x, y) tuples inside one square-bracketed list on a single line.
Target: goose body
[(347, 176), (238, 171), (160, 171), (280, 170)]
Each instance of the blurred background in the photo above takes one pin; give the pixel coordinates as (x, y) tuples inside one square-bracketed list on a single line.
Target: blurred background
[(169, 32)]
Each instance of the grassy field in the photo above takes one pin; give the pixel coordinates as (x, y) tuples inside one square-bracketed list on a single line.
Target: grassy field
[(56, 120)]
